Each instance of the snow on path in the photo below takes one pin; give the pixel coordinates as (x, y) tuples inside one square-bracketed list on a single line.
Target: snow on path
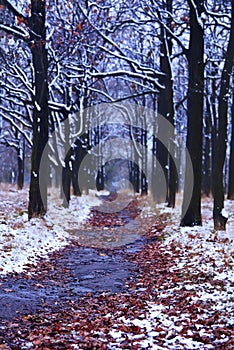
[(197, 252), (22, 243)]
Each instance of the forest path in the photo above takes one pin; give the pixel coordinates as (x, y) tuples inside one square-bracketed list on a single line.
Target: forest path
[(99, 265), (169, 288), (68, 274)]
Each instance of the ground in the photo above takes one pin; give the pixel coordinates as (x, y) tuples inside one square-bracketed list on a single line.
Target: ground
[(113, 274)]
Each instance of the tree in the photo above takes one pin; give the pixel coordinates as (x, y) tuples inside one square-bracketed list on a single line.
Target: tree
[(38, 186), (191, 212), (220, 139), (31, 29), (166, 109), (15, 98), (207, 151), (12, 139), (231, 160)]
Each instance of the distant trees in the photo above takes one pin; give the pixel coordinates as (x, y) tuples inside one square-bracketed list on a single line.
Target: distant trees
[(15, 94), (12, 139)]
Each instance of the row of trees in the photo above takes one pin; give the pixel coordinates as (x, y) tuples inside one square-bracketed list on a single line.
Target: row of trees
[(172, 56)]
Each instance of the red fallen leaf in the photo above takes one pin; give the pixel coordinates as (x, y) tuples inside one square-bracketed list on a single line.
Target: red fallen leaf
[(123, 328), (135, 329)]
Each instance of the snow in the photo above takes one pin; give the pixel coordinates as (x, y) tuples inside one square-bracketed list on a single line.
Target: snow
[(199, 251), (67, 219), (154, 317), (224, 213), (23, 242), (205, 256)]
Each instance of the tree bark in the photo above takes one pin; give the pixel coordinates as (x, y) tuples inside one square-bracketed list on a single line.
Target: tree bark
[(79, 182), (21, 159), (166, 109), (67, 167), (191, 211), (231, 160), (144, 181), (38, 184), (136, 173), (220, 140), (206, 187), (66, 179)]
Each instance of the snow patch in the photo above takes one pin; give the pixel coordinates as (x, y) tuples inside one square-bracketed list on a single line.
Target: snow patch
[(23, 242), (224, 213)]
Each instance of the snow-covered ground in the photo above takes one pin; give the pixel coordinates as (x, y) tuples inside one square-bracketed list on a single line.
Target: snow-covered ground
[(201, 257), (206, 257), (23, 242)]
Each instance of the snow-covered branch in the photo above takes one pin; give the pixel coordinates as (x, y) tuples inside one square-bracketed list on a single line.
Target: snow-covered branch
[(19, 32), (21, 75), (117, 73), (173, 36), (17, 126), (12, 6), (135, 65)]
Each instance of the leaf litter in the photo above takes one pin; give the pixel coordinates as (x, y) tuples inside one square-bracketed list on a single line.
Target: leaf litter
[(180, 295)]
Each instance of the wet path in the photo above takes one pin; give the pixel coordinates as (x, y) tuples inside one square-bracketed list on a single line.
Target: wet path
[(68, 274)]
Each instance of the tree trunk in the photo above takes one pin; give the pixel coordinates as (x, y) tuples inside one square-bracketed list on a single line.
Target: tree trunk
[(67, 168), (231, 160), (136, 173), (166, 109), (206, 188), (80, 176), (66, 179), (220, 140), (144, 181), (75, 170), (191, 209), (101, 171), (21, 159), (163, 110), (38, 184), (172, 176), (100, 179)]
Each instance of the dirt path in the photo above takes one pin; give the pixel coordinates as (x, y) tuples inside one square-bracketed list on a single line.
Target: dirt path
[(122, 290), (98, 265), (67, 275), (93, 263)]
